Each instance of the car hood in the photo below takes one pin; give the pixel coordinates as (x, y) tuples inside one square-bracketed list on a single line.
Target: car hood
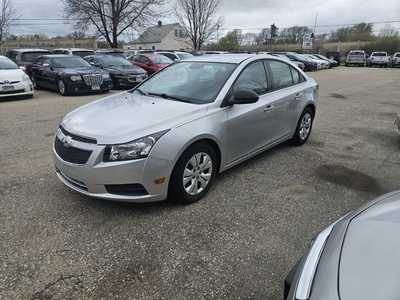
[(80, 71), (125, 70), (124, 117), (370, 260), (11, 75)]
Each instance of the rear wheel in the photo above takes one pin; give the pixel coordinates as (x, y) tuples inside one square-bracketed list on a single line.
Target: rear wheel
[(304, 127), (193, 174)]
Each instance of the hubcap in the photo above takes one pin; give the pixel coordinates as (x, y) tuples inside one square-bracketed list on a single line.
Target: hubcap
[(61, 87), (305, 126), (197, 173)]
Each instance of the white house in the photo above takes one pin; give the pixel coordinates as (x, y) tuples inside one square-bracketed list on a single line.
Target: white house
[(162, 37)]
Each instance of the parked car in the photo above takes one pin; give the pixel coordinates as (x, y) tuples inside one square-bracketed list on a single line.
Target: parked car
[(174, 132), (68, 74), (379, 58), (335, 55), (175, 55), (124, 75), (396, 60), (356, 257), (397, 124), (323, 64), (151, 62), (13, 81), (309, 65), (114, 52), (74, 51), (356, 57), (284, 57), (24, 58), (332, 63)]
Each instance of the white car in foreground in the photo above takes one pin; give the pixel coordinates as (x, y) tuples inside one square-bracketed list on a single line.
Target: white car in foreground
[(13, 81)]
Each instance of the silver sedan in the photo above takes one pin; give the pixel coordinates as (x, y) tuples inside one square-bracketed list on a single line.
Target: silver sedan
[(172, 134)]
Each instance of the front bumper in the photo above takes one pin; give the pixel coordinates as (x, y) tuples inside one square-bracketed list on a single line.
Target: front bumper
[(18, 89), (94, 177), (81, 87)]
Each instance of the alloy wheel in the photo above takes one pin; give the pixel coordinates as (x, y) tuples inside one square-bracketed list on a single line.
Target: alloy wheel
[(61, 87), (197, 173), (305, 126)]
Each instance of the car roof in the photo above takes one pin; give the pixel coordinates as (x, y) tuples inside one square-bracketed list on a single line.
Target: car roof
[(57, 56), (74, 49), (30, 50), (226, 58)]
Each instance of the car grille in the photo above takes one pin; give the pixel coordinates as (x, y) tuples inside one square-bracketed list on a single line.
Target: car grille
[(12, 92), (9, 82), (77, 137), (71, 154), (93, 80)]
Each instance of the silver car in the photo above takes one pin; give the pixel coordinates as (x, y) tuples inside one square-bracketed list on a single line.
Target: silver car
[(357, 257), (173, 133)]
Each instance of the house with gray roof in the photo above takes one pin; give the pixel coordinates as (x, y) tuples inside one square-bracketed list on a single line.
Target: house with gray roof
[(162, 37)]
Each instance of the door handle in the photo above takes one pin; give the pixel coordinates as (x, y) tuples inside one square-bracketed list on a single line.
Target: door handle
[(298, 96), (268, 108)]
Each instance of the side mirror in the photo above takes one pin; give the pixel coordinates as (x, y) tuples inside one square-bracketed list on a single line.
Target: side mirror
[(244, 97), (46, 65)]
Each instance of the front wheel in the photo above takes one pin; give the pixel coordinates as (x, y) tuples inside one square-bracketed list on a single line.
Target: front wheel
[(193, 174), (304, 127), (62, 87)]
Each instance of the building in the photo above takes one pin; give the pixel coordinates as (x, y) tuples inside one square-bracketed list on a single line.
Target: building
[(162, 37)]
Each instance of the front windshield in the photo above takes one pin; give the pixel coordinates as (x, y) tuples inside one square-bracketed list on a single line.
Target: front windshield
[(160, 59), (379, 54), (7, 64), (70, 62), (110, 61), (194, 82)]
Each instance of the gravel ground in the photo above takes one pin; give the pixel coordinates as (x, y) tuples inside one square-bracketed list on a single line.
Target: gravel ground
[(238, 243)]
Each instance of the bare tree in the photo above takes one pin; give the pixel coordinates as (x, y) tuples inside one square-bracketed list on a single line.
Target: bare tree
[(111, 18), (198, 18), (8, 14)]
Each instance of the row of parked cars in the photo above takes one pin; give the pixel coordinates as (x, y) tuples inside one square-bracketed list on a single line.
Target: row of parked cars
[(378, 58), (73, 71)]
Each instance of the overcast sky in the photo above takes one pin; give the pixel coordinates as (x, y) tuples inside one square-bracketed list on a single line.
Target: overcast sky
[(238, 13)]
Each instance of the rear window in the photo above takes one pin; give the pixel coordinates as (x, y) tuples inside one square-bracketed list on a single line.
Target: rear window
[(83, 53), (32, 56), (379, 54), (356, 53)]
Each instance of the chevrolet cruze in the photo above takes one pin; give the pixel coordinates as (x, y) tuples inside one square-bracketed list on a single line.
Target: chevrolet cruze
[(171, 135)]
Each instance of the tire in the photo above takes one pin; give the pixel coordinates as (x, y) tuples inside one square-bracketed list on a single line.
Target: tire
[(304, 127), (62, 87), (184, 182), (34, 83)]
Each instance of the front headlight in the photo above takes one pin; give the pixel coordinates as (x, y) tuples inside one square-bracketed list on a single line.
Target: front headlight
[(75, 78), (136, 149), (26, 78)]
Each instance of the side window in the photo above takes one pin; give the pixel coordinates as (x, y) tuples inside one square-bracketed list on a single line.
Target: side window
[(297, 77), (281, 74), (253, 78)]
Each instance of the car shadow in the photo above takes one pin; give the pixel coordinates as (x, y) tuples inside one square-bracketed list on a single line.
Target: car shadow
[(16, 98)]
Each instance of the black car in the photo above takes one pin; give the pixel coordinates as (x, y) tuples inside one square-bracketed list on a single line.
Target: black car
[(24, 58), (309, 65), (124, 75), (69, 75)]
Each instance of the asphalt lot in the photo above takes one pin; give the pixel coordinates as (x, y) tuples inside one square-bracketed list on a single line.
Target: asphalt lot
[(237, 243)]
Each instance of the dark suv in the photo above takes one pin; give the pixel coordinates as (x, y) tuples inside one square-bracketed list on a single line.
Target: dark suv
[(24, 58), (68, 74)]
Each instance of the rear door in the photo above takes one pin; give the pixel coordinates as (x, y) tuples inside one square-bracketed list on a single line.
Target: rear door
[(286, 98)]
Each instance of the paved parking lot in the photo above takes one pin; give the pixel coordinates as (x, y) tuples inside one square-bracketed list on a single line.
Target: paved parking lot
[(239, 242)]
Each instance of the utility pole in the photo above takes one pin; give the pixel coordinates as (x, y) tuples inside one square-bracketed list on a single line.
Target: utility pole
[(314, 34)]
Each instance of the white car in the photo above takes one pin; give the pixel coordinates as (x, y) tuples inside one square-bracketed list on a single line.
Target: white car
[(13, 81), (396, 60), (379, 59)]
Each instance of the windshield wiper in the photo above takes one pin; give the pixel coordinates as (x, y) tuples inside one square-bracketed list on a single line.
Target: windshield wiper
[(170, 97), (141, 92)]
